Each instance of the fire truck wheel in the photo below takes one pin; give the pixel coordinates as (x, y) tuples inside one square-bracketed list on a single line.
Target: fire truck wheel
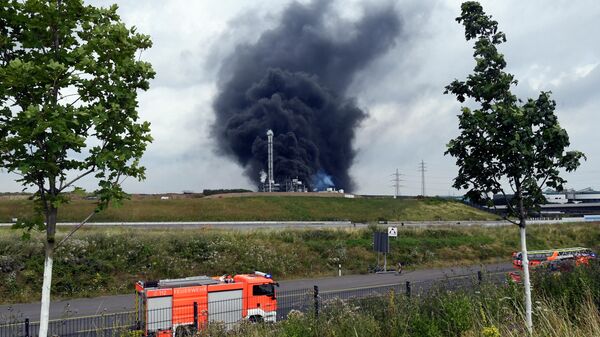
[(185, 331), (256, 319)]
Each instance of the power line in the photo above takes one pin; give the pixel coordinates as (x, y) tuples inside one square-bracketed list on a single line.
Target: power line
[(422, 168)]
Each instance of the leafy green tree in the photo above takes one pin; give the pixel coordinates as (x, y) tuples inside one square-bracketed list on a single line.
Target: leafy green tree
[(69, 75), (505, 142)]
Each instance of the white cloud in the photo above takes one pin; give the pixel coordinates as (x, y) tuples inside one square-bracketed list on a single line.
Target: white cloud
[(179, 117), (551, 46), (585, 70)]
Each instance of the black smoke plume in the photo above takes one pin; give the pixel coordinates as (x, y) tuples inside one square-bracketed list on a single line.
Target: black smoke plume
[(293, 80)]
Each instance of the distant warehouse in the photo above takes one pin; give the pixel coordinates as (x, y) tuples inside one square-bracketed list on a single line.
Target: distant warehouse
[(569, 196), (585, 202)]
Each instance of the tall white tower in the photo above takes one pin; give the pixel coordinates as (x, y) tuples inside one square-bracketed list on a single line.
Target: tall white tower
[(270, 179)]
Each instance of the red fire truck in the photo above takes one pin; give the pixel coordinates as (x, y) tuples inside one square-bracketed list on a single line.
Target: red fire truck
[(563, 259), (178, 307)]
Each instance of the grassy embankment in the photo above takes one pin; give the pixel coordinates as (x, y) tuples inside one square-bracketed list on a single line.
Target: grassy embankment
[(100, 261), (566, 305), (259, 209)]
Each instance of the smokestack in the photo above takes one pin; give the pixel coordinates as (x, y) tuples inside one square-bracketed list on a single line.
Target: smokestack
[(270, 160)]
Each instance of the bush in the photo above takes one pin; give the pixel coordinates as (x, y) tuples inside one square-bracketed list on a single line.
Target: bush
[(491, 312), (103, 261), (572, 286), (456, 313), (424, 326)]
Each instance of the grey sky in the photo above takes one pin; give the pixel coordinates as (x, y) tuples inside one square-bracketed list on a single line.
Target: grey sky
[(551, 46)]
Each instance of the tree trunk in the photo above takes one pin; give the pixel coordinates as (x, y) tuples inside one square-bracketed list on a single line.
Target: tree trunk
[(50, 236), (45, 309), (526, 283), (525, 260)]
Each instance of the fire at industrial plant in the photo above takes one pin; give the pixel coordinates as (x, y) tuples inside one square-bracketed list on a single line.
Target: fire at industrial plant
[(293, 80)]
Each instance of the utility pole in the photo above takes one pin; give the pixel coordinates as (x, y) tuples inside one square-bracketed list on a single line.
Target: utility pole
[(422, 168), (396, 184)]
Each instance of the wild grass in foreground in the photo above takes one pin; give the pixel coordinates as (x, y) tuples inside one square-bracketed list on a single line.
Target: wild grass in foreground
[(102, 261), (567, 305)]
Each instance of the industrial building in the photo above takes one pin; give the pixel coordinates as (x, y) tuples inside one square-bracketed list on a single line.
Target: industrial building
[(569, 202), (571, 196), (269, 184), (288, 185), (568, 196)]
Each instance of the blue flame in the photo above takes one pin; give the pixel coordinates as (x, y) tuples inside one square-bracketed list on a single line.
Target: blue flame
[(321, 181)]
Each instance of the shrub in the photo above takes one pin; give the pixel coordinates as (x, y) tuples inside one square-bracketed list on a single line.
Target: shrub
[(424, 326), (456, 313)]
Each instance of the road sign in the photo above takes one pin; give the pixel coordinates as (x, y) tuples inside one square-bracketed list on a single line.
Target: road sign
[(393, 231), (380, 242)]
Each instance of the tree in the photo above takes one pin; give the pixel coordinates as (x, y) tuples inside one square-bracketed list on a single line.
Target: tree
[(69, 75), (505, 142)]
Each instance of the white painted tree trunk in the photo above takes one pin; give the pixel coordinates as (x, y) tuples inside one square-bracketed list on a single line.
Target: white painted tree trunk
[(45, 309), (526, 283)]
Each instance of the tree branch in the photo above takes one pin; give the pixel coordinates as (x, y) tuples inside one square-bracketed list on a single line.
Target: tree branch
[(93, 81), (75, 229), (89, 216), (73, 103), (510, 184), (545, 178), (69, 95), (504, 217), (508, 205), (62, 188), (85, 173), (42, 190)]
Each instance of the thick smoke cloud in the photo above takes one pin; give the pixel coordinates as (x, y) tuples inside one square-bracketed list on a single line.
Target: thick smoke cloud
[(293, 80)]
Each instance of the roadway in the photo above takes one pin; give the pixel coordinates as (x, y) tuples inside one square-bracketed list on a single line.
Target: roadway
[(238, 225), (120, 303), (251, 225)]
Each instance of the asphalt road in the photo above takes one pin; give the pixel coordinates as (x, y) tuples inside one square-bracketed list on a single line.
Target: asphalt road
[(250, 225), (238, 225), (119, 303)]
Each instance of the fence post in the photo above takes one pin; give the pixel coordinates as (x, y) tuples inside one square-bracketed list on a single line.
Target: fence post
[(196, 315), (316, 294), (479, 277), (26, 327), (408, 288)]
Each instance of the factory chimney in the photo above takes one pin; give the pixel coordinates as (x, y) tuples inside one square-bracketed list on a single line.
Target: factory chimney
[(270, 164)]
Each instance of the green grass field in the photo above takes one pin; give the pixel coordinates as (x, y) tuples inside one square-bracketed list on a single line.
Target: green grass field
[(100, 261), (259, 209)]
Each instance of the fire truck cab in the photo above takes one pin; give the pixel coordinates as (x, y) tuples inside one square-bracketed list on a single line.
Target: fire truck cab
[(179, 307)]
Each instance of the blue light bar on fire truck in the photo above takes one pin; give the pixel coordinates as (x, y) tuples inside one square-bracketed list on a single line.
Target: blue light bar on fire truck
[(260, 273)]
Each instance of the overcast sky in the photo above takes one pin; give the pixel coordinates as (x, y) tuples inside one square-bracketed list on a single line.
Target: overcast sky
[(551, 46)]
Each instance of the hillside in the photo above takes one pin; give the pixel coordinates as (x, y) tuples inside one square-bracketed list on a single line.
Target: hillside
[(277, 208)]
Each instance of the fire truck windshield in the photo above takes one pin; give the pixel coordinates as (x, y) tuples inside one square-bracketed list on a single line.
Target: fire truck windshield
[(263, 289)]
